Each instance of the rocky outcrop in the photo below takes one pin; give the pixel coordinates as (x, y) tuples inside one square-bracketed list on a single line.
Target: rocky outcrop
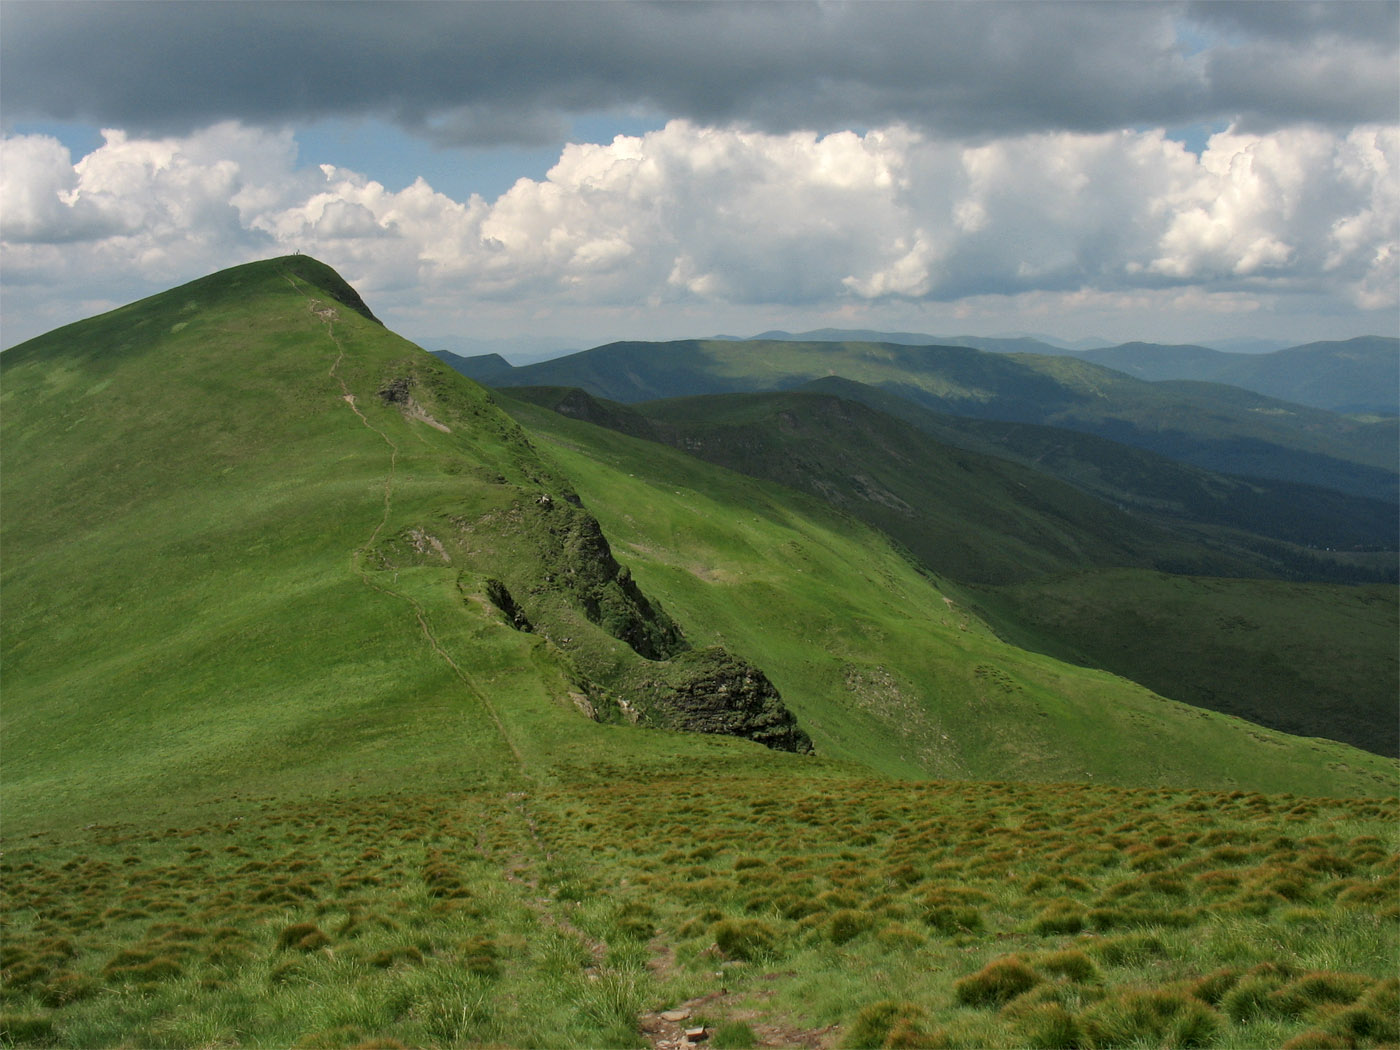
[(565, 572), (396, 393), (501, 598), (713, 691), (578, 562)]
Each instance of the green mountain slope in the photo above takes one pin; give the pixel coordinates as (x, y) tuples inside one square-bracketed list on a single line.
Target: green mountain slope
[(245, 527), (1213, 426), (283, 766)]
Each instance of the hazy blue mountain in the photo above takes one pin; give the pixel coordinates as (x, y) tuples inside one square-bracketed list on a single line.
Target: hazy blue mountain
[(1356, 376), (484, 368), (1008, 344), (1360, 376), (1237, 345), (1221, 428), (519, 350)]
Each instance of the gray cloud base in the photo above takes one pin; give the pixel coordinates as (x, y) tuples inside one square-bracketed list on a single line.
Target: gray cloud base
[(515, 72)]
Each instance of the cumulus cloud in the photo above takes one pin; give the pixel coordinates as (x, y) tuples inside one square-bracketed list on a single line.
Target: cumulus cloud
[(160, 191), (514, 73), (692, 215)]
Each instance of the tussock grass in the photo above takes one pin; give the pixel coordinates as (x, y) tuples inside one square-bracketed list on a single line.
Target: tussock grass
[(632, 868), (1155, 1017)]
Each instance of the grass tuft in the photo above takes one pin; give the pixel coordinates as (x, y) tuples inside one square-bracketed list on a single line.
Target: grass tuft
[(734, 1035), (881, 1023), (1048, 1026), (1156, 1017), (1072, 964), (303, 937), (997, 983), (747, 940)]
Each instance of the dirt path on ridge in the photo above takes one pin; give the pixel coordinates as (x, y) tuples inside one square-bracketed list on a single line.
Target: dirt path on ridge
[(520, 869)]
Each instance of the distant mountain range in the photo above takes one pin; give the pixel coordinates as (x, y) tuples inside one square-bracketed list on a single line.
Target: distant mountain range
[(1215, 426), (1358, 376)]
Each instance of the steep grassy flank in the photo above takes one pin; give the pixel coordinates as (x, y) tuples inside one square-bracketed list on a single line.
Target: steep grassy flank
[(879, 666), (1319, 661), (1310, 659), (187, 496), (963, 515), (977, 517), (1213, 426), (248, 538)]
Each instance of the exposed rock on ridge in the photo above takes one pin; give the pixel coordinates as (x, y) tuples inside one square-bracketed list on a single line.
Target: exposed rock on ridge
[(578, 562), (674, 686), (712, 691)]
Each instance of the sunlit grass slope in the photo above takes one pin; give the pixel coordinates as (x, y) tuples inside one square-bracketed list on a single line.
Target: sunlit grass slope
[(883, 667), (206, 506), (185, 488)]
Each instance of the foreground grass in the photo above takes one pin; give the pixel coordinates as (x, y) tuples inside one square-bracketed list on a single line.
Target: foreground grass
[(777, 908)]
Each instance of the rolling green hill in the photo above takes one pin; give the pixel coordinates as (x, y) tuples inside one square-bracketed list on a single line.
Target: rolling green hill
[(1220, 428), (339, 708), (242, 520)]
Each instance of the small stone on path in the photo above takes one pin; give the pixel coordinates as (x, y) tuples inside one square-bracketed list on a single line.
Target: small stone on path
[(675, 1015)]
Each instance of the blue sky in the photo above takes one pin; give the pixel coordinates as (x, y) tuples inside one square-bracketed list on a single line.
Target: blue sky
[(570, 173)]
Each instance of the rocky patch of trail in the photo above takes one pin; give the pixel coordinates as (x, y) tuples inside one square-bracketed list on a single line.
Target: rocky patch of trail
[(682, 1026)]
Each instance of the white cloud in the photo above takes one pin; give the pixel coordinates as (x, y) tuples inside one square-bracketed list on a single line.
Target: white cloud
[(689, 216), (38, 199)]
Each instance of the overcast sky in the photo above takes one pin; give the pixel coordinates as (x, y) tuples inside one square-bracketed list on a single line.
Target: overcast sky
[(595, 171)]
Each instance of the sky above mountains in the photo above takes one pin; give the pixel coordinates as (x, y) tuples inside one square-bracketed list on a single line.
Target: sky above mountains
[(595, 171)]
